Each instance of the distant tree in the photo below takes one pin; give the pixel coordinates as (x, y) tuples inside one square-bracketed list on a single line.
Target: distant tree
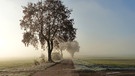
[(48, 23), (62, 47), (73, 47)]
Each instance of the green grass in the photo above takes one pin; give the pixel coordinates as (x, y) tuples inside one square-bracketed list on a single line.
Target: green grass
[(111, 62)]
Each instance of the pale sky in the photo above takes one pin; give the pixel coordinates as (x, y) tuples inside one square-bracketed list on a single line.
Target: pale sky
[(105, 27)]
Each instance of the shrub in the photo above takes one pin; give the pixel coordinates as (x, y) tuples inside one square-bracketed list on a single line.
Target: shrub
[(56, 56), (36, 62)]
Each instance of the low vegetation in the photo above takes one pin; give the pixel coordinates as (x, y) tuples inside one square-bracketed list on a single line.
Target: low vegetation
[(15, 63), (97, 64), (113, 62), (22, 67)]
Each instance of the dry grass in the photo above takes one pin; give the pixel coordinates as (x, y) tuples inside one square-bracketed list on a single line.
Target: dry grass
[(15, 63)]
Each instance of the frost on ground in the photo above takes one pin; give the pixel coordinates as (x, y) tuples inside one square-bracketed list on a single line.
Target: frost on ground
[(86, 66), (15, 74), (80, 65), (24, 71), (83, 65)]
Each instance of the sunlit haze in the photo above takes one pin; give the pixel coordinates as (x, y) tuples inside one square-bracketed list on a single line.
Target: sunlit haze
[(105, 28)]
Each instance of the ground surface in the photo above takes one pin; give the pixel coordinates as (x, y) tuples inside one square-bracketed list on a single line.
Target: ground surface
[(65, 68), (68, 67)]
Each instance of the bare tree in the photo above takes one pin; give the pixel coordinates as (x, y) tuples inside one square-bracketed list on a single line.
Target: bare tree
[(48, 23)]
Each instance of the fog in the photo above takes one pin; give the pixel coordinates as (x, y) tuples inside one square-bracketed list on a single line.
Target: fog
[(105, 28)]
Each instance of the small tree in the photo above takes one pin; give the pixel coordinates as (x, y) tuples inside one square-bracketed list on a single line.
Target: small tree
[(61, 47), (48, 23), (73, 47)]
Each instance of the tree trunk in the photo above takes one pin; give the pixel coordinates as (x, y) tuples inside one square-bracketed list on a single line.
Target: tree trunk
[(49, 51), (72, 54), (49, 56)]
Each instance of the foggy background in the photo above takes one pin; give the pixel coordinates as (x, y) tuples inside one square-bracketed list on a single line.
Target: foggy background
[(105, 28)]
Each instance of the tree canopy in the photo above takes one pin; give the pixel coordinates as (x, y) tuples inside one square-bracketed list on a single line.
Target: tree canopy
[(73, 47), (48, 23)]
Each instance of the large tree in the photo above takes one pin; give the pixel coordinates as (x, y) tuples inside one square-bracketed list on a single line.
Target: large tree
[(48, 23)]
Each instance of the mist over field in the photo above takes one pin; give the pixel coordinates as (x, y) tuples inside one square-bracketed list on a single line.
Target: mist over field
[(67, 38), (105, 28)]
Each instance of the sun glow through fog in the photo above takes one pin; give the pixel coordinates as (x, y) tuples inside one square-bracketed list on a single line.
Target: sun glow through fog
[(3, 48), (102, 29), (2, 43)]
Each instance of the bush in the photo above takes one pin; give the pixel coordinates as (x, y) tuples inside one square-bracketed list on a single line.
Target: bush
[(42, 58), (36, 62), (56, 56)]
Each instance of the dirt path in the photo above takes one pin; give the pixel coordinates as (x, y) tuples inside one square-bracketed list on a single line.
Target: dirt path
[(65, 68)]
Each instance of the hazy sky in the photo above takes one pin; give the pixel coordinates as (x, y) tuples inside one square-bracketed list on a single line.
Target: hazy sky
[(105, 27)]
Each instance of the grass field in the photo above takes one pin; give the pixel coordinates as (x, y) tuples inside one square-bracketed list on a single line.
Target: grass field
[(112, 62), (22, 67), (7, 67), (15, 63), (97, 64)]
